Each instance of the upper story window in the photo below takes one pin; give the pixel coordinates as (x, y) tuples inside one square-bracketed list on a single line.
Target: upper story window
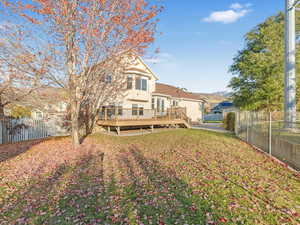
[(129, 82), (141, 84)]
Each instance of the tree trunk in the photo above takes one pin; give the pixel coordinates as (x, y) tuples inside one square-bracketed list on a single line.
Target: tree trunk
[(75, 124), (1, 111), (70, 39), (1, 108)]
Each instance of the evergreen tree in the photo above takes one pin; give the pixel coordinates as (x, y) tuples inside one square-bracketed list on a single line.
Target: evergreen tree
[(258, 82)]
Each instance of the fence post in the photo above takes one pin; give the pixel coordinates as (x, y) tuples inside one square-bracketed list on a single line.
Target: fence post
[(247, 132), (237, 115), (270, 133)]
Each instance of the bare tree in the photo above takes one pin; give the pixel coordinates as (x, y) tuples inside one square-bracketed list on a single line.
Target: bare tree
[(21, 69), (86, 42)]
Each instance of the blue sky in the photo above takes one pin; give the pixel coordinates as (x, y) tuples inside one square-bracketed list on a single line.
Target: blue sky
[(200, 38)]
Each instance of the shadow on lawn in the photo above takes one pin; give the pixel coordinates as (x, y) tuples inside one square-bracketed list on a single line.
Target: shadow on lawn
[(147, 193), (8, 151)]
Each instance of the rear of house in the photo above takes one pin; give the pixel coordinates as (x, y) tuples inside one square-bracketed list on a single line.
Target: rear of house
[(144, 98)]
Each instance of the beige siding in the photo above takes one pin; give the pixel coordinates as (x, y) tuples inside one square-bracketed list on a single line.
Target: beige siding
[(140, 97), (144, 98), (193, 109)]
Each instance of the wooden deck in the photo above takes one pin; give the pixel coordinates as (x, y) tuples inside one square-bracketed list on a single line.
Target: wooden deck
[(171, 118), (141, 122)]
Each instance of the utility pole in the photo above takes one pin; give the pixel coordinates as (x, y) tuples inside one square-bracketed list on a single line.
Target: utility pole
[(290, 64)]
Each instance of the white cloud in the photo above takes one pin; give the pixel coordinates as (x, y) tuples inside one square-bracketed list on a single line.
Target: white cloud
[(231, 15), (236, 6)]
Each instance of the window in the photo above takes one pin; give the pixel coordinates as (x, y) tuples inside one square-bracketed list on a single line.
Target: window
[(135, 108), (200, 106), (129, 82), (138, 83), (141, 84), (175, 103), (120, 110), (141, 111), (158, 105), (153, 103), (162, 105), (144, 84), (39, 115)]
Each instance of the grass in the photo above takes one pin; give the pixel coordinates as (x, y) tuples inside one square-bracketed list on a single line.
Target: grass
[(174, 177), (213, 121)]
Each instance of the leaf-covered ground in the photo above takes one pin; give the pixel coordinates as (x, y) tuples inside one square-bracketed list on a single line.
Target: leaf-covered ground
[(175, 177)]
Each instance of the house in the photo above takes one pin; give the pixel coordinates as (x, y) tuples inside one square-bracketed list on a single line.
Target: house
[(50, 110), (147, 102), (219, 108), (143, 102), (45, 104), (167, 96)]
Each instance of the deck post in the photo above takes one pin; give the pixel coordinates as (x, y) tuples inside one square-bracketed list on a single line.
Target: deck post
[(118, 130), (152, 128), (108, 129)]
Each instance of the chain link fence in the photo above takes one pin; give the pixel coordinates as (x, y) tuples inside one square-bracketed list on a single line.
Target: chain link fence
[(268, 132)]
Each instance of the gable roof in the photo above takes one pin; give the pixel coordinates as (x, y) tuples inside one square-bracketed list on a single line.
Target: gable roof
[(146, 69), (175, 92), (223, 105)]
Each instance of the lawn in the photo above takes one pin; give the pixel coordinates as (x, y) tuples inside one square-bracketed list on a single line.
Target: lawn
[(172, 177)]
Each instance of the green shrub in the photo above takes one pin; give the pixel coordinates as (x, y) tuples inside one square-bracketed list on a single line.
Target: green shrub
[(229, 121)]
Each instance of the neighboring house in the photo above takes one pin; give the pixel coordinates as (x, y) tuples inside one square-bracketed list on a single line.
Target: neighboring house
[(145, 98), (50, 110), (225, 105), (47, 103)]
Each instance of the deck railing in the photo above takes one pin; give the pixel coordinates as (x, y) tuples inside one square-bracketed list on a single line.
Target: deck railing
[(118, 113)]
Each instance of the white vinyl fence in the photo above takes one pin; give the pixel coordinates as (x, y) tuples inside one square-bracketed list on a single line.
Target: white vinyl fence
[(17, 130)]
